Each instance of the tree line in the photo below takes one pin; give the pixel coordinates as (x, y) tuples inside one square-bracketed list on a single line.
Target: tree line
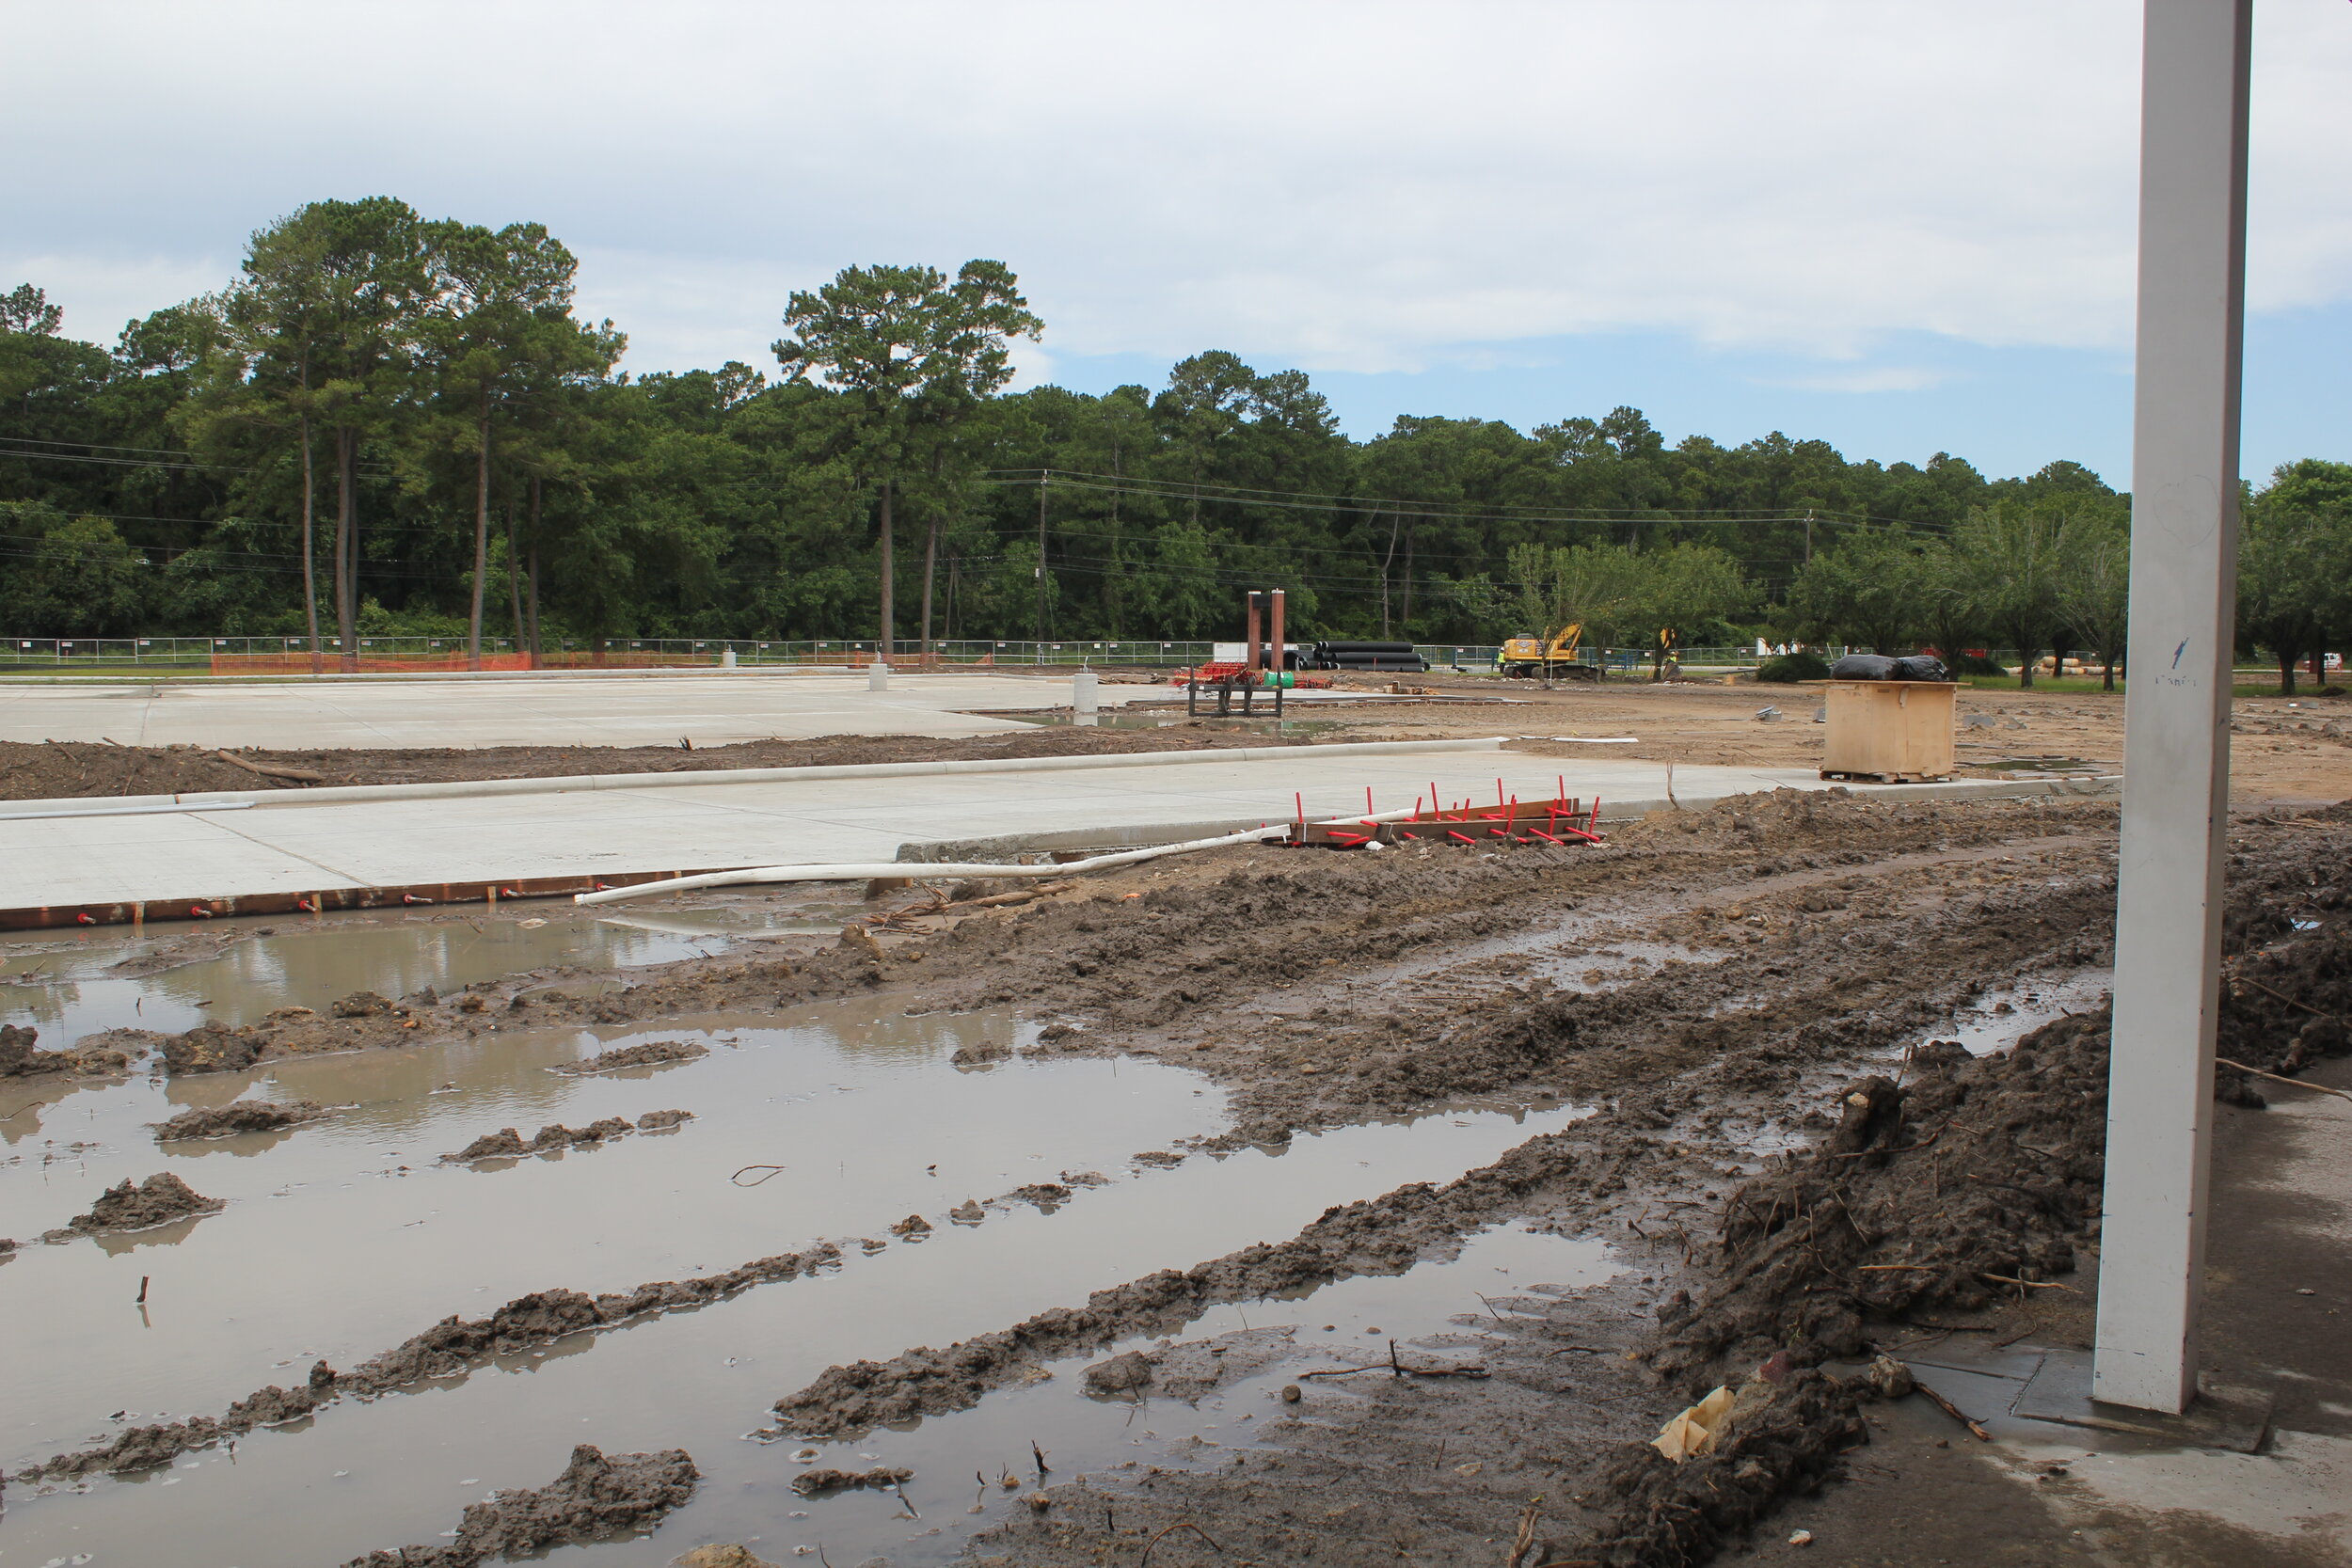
[(388, 424)]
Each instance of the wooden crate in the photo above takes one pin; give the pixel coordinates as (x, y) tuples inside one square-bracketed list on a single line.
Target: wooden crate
[(1894, 732)]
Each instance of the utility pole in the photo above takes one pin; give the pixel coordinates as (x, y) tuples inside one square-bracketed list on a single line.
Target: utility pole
[(1808, 534), (1045, 475), (2176, 747)]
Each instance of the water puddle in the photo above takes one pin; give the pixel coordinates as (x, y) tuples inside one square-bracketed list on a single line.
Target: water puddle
[(1344, 1324), (73, 984), (343, 1237), (1999, 1018)]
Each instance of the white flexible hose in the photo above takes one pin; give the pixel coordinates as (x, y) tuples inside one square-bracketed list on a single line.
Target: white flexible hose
[(907, 870)]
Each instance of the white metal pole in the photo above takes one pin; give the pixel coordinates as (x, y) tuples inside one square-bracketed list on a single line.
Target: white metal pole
[(2176, 752)]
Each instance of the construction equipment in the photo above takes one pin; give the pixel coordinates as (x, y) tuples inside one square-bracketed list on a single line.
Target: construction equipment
[(1558, 659)]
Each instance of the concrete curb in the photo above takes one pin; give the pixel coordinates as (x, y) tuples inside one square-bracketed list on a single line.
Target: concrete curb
[(115, 805), (1134, 836)]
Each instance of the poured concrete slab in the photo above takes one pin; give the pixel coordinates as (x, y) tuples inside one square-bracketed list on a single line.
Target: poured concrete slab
[(712, 708), (393, 839)]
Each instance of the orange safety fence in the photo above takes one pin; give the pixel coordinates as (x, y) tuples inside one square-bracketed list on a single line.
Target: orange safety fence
[(302, 663)]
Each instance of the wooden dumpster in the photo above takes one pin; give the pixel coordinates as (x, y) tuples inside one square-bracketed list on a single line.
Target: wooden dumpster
[(1890, 732)]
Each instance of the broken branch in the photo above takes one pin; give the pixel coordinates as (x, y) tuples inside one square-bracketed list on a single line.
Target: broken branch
[(1950, 1409), (2276, 1077)]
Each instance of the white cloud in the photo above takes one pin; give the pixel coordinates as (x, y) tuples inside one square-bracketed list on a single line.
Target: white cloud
[(1890, 378), (1370, 185)]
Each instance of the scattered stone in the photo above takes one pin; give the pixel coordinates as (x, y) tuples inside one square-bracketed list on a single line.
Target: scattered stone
[(914, 1225), (654, 1120), (238, 1116), (1158, 1157), (981, 1054)]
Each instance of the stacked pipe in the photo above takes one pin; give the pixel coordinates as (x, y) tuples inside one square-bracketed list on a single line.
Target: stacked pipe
[(1366, 655)]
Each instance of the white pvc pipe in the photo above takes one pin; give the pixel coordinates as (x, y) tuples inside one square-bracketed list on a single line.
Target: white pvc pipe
[(915, 870)]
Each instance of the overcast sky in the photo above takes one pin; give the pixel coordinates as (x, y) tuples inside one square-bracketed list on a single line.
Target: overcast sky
[(1900, 225)]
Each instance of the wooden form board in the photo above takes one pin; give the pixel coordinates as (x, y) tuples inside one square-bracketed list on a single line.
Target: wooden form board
[(1895, 731)]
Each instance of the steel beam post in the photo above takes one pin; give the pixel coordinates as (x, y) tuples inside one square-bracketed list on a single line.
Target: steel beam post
[(2176, 766)]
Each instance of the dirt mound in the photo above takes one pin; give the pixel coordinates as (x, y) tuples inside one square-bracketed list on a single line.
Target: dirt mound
[(506, 1143), (650, 1054), (238, 1116), (127, 1206), (1984, 1171), (19, 1059), (595, 1499), (882, 1477), (1787, 1429)]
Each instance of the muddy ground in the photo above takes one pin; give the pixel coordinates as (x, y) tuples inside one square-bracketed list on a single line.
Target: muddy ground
[(56, 769), (1730, 990), (2287, 750)]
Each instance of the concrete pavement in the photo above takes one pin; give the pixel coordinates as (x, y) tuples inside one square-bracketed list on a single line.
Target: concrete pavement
[(282, 845), (708, 707)]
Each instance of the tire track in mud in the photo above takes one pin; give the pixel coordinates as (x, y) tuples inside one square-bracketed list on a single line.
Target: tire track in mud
[(1673, 1074), (2026, 1119), (1069, 954)]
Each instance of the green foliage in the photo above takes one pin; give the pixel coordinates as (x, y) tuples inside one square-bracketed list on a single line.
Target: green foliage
[(1788, 669), (2294, 564), (1870, 590), (391, 421), (68, 576)]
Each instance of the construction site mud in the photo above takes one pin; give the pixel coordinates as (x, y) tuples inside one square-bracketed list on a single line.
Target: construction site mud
[(56, 769), (1700, 1083)]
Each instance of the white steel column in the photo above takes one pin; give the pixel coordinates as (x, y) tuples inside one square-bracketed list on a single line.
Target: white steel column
[(2176, 752)]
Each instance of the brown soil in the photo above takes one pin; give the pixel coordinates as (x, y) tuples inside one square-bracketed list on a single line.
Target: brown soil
[(240, 1116), (508, 1144), (1793, 1272), (882, 1477), (160, 1199), (20, 1058), (58, 769), (1708, 980), (650, 1054), (595, 1499)]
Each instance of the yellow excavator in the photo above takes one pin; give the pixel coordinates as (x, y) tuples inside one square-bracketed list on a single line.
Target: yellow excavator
[(1525, 657)]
